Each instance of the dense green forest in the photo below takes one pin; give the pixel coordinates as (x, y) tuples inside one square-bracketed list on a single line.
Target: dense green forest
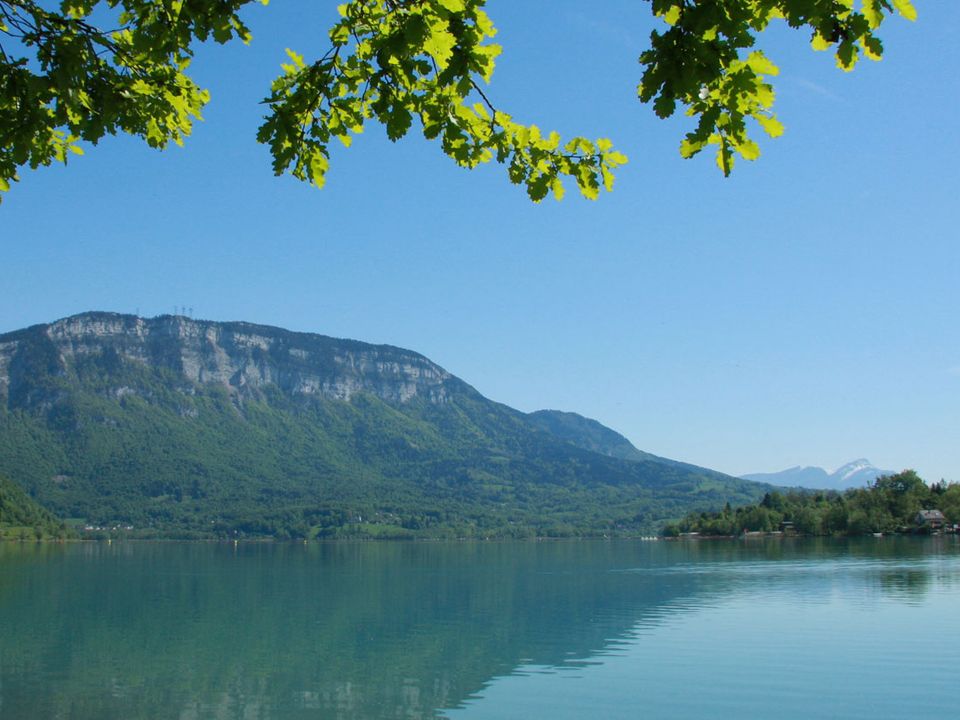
[(200, 466), (891, 504), (21, 518)]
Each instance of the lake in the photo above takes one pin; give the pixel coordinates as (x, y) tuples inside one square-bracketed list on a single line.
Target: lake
[(866, 628)]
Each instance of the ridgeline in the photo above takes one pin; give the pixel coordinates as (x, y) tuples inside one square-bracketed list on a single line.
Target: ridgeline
[(175, 427)]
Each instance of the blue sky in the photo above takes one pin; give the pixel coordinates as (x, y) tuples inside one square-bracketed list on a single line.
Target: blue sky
[(803, 311)]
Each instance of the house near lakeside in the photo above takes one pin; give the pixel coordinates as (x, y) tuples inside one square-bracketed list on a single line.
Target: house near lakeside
[(930, 520)]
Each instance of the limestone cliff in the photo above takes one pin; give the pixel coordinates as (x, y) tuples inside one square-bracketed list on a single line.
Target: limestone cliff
[(240, 356)]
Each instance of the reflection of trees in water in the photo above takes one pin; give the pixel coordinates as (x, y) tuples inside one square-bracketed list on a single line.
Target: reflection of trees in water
[(366, 630), (350, 630), (905, 583)]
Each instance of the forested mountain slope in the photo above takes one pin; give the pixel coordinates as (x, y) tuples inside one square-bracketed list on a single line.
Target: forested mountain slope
[(21, 516), (182, 427)]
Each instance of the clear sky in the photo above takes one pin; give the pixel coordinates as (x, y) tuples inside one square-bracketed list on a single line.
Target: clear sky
[(803, 311)]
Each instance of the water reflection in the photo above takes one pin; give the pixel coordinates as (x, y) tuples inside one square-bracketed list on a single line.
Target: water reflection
[(373, 630)]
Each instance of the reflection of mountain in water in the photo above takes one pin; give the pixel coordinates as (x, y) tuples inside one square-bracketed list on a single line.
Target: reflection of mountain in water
[(343, 630)]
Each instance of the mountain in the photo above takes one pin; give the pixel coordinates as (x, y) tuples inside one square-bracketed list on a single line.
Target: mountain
[(591, 435), (181, 427), (588, 434), (857, 473)]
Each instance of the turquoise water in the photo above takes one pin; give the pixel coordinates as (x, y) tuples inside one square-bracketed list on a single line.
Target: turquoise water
[(785, 629)]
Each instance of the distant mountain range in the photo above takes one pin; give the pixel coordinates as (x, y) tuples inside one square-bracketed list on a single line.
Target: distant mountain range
[(857, 473), (182, 427)]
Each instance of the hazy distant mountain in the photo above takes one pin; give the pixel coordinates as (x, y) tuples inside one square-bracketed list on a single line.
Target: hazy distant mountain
[(856, 473), (591, 435), (191, 427), (588, 434)]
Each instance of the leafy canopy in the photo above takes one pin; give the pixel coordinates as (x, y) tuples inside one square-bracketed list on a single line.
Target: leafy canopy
[(889, 505), (81, 69)]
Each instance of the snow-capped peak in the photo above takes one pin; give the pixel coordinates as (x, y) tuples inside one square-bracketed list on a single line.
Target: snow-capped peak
[(847, 471), (856, 473)]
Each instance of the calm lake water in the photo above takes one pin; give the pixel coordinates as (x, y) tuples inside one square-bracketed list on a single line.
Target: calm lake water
[(600, 630)]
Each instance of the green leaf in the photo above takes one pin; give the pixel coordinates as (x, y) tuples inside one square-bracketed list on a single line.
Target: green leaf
[(319, 164), (664, 106), (537, 188), (398, 123), (672, 15), (846, 56), (608, 178), (297, 59), (440, 43), (616, 158), (558, 190), (872, 47), (906, 8), (749, 150), (820, 43), (689, 148), (340, 34), (484, 24), (773, 127), (724, 158), (872, 11), (759, 63)]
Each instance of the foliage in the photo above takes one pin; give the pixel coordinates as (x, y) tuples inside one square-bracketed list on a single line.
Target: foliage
[(703, 63), (98, 67), (396, 62), (21, 518), (890, 504), (64, 78)]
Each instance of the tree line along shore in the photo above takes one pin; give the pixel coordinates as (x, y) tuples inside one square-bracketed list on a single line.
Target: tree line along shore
[(901, 503)]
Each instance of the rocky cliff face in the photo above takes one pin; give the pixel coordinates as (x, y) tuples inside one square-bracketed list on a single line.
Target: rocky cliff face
[(243, 357)]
